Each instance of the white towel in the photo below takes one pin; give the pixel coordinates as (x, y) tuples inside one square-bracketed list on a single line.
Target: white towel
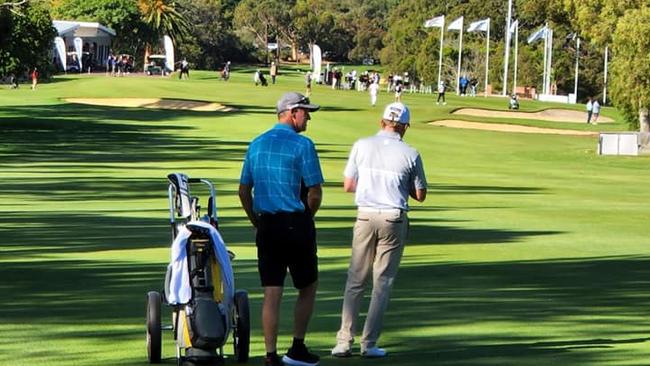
[(180, 291)]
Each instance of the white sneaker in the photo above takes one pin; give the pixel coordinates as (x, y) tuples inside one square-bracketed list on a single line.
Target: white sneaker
[(373, 352), (341, 350)]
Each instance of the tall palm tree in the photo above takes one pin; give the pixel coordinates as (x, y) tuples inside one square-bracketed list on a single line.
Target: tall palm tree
[(163, 18)]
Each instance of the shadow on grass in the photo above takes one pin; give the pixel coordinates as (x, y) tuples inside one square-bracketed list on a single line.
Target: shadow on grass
[(429, 302), (88, 134), (36, 233)]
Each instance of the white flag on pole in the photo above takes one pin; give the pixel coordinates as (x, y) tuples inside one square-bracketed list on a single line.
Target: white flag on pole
[(435, 22), (479, 26), (513, 26), (540, 34), (456, 24)]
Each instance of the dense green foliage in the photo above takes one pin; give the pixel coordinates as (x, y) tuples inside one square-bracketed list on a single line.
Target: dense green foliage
[(389, 31), (26, 35), (632, 66), (621, 24), (212, 39)]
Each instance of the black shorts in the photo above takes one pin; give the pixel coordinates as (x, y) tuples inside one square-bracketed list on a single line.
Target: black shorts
[(286, 241)]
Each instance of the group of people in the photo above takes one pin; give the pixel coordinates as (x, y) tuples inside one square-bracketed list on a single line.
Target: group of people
[(280, 191), (260, 79), (593, 110), (119, 65), (465, 82)]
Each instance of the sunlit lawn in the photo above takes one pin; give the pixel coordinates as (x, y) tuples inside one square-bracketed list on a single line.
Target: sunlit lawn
[(530, 249)]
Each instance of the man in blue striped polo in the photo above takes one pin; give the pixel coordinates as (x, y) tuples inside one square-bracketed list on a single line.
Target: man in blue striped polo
[(279, 164), (383, 171)]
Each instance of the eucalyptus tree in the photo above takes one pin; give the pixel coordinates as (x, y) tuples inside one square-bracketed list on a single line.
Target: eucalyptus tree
[(258, 22), (212, 40)]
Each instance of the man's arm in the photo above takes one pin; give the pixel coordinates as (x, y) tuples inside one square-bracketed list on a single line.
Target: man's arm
[(418, 194), (246, 199), (314, 198), (350, 184)]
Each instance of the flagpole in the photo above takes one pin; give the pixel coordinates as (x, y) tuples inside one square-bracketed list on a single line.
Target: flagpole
[(460, 55), (605, 81), (442, 35), (487, 56), (575, 85), (506, 56), (514, 79), (545, 58), (550, 61)]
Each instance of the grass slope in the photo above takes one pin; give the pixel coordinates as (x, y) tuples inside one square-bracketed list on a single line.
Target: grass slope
[(529, 250)]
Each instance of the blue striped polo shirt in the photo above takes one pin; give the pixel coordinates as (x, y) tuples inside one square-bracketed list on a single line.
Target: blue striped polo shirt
[(275, 164)]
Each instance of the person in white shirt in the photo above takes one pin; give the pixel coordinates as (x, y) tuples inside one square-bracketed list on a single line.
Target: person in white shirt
[(373, 89), (382, 171), (590, 109), (596, 112), (441, 93)]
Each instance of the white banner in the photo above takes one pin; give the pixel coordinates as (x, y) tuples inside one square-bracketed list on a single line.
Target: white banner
[(316, 61), (169, 53), (60, 51), (78, 48), (479, 26), (456, 24), (435, 22), (540, 34)]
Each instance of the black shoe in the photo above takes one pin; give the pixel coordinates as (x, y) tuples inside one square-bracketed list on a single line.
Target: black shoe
[(300, 356), (273, 361)]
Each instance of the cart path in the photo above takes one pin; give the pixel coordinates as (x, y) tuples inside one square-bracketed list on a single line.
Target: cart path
[(508, 128), (555, 115), (154, 103)]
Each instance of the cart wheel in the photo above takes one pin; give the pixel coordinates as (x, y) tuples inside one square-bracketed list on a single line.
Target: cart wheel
[(242, 326), (154, 328)]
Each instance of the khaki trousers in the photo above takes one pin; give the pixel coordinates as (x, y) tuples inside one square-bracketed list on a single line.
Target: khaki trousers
[(377, 248)]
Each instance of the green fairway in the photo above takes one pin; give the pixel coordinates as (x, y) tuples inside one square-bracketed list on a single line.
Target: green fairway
[(529, 250)]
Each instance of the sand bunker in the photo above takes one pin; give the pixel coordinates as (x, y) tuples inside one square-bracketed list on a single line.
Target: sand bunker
[(508, 128), (555, 115), (154, 103)]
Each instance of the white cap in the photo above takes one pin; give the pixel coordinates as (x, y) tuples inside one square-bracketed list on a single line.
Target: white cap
[(397, 112)]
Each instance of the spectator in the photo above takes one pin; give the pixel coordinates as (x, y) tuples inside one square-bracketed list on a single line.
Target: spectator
[(277, 164), (596, 112), (442, 87), (274, 72), (34, 76), (590, 109)]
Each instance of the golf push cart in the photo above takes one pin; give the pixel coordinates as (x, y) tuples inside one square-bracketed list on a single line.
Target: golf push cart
[(199, 286)]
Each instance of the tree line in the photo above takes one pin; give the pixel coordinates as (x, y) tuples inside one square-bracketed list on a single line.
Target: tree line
[(211, 32)]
